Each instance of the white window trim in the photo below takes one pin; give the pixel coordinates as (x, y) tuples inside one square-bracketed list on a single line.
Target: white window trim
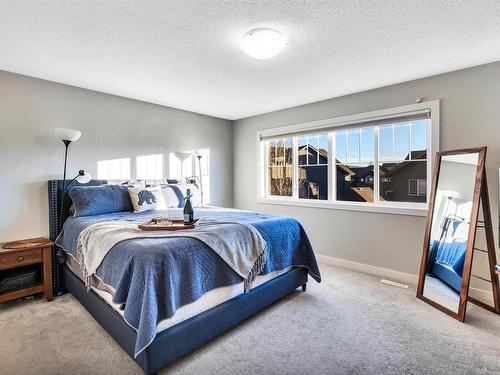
[(400, 208), (418, 194), (158, 158)]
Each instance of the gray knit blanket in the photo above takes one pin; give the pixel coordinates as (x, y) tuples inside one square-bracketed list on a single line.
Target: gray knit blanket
[(239, 244)]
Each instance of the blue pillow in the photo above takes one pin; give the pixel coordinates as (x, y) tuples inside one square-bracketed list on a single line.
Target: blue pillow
[(102, 199)]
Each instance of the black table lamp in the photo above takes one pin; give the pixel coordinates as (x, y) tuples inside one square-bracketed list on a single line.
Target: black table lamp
[(68, 136)]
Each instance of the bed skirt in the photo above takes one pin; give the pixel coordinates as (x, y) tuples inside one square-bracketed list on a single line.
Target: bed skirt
[(187, 335)]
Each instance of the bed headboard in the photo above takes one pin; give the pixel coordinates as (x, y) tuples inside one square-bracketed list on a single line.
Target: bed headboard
[(55, 188)]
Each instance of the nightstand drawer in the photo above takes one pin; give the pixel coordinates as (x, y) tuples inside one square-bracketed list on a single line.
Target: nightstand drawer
[(20, 258)]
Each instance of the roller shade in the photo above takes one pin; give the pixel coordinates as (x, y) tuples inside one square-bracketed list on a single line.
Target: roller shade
[(342, 123)]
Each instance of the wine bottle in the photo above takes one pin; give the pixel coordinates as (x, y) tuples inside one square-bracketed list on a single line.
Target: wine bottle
[(188, 208)]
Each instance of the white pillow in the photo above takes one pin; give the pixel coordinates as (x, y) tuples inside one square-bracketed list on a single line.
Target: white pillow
[(133, 183), (146, 199), (174, 194), (195, 193)]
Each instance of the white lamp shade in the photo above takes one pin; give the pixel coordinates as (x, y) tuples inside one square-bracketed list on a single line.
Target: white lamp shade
[(263, 43), (85, 178), (65, 134), (182, 155)]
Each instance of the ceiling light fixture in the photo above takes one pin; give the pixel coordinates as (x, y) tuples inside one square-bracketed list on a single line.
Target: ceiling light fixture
[(263, 43)]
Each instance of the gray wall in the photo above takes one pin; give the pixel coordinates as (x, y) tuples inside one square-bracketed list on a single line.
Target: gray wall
[(470, 116), (112, 127), (116, 127)]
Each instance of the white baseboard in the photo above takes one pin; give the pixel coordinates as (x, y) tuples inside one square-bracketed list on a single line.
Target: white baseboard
[(402, 277)]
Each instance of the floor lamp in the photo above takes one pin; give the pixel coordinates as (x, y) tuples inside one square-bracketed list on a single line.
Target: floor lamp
[(68, 136), (199, 156), (182, 156)]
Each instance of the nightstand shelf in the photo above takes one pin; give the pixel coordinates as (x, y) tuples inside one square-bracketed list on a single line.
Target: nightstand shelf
[(24, 292), (24, 253)]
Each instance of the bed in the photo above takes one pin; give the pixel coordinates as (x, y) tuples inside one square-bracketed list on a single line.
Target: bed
[(161, 298), (447, 256)]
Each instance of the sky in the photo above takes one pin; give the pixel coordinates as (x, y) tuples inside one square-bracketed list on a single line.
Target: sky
[(357, 146)]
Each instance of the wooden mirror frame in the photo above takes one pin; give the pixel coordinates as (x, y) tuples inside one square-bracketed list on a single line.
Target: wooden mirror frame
[(480, 195)]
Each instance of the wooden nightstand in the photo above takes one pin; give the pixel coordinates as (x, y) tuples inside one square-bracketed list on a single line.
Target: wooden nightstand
[(28, 252)]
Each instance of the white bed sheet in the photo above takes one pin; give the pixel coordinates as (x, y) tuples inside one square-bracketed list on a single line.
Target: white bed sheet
[(207, 301)]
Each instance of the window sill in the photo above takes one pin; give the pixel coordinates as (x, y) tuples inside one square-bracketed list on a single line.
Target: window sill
[(415, 209)]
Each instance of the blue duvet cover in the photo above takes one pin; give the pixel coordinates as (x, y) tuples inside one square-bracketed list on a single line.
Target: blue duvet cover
[(154, 277)]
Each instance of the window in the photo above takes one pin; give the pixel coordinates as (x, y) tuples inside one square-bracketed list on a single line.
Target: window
[(403, 153), (150, 167), (116, 169), (417, 187), (279, 176), (354, 160), (313, 166), (381, 160)]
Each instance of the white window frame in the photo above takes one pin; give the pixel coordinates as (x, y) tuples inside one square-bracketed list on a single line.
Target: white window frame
[(295, 171), (417, 181), (320, 126), (121, 169), (157, 158)]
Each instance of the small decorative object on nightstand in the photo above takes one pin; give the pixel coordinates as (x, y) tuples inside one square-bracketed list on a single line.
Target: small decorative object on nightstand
[(18, 257)]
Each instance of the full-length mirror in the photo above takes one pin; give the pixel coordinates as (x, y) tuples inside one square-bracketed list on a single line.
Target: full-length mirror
[(450, 229), (449, 240)]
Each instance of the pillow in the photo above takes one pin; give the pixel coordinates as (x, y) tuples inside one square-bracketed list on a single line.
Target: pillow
[(174, 194), (146, 199), (195, 194), (134, 183), (97, 200)]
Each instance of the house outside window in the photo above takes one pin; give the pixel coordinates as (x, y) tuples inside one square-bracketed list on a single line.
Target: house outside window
[(382, 160), (313, 166), (354, 160)]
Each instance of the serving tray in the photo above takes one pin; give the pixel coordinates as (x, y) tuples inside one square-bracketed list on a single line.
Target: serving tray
[(176, 225), (26, 244)]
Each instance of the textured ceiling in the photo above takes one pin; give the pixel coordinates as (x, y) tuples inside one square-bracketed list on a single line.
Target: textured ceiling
[(185, 54)]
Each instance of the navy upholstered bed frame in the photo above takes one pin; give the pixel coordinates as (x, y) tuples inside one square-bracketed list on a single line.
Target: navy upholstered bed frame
[(181, 338), (55, 189)]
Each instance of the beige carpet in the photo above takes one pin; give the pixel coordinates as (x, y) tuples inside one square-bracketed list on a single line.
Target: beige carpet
[(348, 324)]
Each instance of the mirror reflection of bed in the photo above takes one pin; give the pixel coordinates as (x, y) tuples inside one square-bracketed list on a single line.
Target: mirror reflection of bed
[(450, 228), (438, 291)]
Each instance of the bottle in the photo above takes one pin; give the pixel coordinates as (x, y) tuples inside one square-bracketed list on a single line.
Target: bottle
[(188, 209)]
